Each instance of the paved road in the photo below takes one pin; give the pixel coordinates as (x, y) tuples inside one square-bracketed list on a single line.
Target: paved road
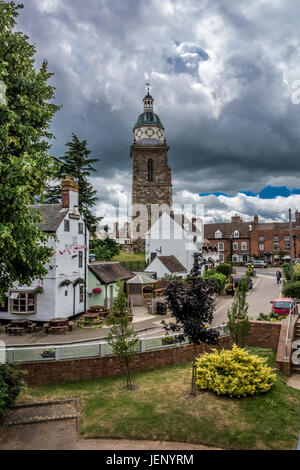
[(265, 289)]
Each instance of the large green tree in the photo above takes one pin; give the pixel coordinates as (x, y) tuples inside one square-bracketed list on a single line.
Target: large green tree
[(25, 164), (76, 163), (104, 250)]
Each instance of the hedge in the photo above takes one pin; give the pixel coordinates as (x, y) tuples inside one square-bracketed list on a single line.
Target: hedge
[(291, 289)]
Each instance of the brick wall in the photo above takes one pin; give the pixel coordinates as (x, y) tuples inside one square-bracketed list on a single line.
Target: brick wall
[(262, 334), (283, 364)]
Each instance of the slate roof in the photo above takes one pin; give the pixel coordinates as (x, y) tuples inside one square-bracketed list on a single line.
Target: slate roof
[(53, 215), (226, 228), (110, 271), (172, 264)]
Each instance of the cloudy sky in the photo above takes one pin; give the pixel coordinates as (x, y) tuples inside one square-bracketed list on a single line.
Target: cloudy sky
[(225, 76)]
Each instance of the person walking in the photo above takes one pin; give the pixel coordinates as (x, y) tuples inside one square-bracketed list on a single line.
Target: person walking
[(278, 277)]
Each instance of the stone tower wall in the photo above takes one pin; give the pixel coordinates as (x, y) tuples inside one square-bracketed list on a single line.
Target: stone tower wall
[(158, 191)]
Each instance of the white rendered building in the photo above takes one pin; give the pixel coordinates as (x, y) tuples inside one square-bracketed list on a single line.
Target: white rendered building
[(62, 292)]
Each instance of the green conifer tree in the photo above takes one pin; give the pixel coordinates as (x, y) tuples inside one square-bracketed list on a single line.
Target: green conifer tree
[(76, 163)]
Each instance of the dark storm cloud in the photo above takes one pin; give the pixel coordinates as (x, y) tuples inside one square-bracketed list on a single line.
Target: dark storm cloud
[(221, 74)]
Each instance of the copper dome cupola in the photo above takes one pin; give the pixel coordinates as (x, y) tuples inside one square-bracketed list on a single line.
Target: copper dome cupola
[(148, 128)]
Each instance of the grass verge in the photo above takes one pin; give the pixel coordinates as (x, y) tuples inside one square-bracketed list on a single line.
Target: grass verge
[(161, 408)]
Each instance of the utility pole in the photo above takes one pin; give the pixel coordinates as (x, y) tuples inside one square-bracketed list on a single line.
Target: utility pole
[(291, 246)]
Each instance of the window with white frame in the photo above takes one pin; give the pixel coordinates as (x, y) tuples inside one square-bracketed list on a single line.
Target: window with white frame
[(23, 302), (236, 234), (235, 246), (221, 257), (220, 246), (81, 293), (276, 246), (218, 234), (244, 246), (66, 225), (235, 258)]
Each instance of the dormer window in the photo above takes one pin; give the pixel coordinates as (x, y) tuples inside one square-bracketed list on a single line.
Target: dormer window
[(236, 234), (218, 234)]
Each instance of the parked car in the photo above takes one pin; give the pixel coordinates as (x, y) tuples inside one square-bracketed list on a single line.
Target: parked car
[(237, 280), (258, 263), (296, 260), (282, 305)]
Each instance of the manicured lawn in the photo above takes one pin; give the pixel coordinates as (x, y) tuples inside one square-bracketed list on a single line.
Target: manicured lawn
[(132, 260), (161, 408), (130, 257)]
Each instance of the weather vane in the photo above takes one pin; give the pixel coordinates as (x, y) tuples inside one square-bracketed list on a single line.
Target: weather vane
[(148, 86)]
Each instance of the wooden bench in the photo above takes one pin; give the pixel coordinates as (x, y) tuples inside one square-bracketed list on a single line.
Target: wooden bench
[(57, 330), (10, 325), (15, 330), (31, 327)]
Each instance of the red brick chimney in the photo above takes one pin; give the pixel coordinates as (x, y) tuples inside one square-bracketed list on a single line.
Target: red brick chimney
[(68, 185), (255, 220)]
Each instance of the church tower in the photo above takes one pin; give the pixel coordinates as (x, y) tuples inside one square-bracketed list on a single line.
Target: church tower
[(151, 173)]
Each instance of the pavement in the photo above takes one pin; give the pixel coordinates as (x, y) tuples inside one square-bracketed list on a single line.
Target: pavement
[(294, 381), (56, 426)]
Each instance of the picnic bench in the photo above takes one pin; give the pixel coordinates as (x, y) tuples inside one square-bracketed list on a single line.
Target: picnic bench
[(18, 326), (57, 330), (58, 325), (15, 330)]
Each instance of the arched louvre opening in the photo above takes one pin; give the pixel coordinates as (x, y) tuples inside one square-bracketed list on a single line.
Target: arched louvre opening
[(150, 170)]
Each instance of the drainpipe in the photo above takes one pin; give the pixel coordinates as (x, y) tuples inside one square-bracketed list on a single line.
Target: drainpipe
[(85, 264)]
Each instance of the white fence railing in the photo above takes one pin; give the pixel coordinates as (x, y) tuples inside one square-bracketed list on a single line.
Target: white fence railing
[(90, 349)]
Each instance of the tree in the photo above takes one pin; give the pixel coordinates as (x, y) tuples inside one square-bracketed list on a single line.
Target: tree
[(104, 250), (25, 114), (238, 321), (76, 163), (192, 306), (11, 383), (224, 268), (122, 338)]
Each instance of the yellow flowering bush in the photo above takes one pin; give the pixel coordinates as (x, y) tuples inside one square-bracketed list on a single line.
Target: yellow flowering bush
[(234, 372)]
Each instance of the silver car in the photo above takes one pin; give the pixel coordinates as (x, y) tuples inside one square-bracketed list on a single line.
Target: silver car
[(258, 263)]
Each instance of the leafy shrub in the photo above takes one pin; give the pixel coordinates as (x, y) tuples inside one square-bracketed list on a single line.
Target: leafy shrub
[(167, 340), (224, 268), (286, 271), (291, 289), (297, 272), (234, 372), (219, 279), (272, 316), (209, 273), (11, 383)]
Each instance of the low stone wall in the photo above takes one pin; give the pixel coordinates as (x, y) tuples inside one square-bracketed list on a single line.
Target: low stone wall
[(262, 334)]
